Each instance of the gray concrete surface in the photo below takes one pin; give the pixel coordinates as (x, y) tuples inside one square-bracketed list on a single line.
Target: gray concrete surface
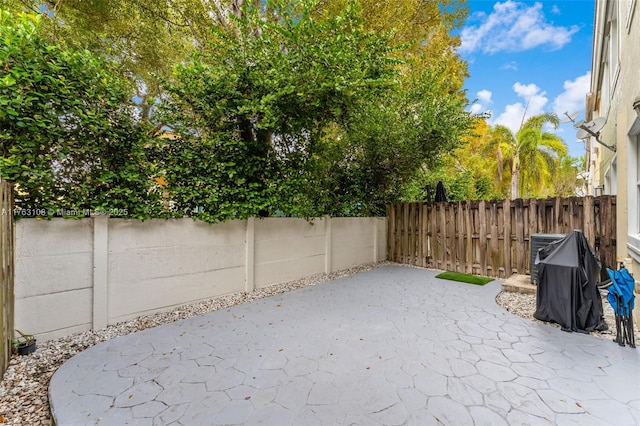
[(390, 346)]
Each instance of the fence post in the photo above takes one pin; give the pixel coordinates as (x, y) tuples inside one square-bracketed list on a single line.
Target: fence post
[(508, 269), (482, 217), (375, 239), (7, 244), (589, 223), (521, 254), (327, 244), (100, 272), (469, 236), (424, 235), (249, 267), (389, 231)]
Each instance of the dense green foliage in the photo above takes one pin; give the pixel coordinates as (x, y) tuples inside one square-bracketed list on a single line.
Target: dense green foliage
[(67, 131), (531, 154), (492, 161), (280, 110), (318, 111)]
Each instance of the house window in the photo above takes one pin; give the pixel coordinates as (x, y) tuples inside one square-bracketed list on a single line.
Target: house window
[(611, 178), (614, 48), (636, 142), (633, 224), (610, 56)]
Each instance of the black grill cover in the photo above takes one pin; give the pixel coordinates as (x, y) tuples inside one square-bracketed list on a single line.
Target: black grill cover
[(568, 271)]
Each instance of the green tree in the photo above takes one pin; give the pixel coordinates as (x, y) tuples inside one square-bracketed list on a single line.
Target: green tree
[(146, 37), (425, 30), (268, 93), (326, 116), (414, 129), (467, 172), (67, 133), (531, 155), (567, 179)]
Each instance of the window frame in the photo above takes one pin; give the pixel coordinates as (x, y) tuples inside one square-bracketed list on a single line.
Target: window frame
[(633, 181)]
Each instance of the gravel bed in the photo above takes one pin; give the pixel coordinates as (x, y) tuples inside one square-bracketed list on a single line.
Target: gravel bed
[(23, 390), (524, 305)]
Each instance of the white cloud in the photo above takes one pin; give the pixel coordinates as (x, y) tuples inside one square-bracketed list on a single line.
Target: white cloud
[(513, 65), (515, 114), (513, 27), (525, 91), (573, 98), (482, 101), (484, 96), (476, 109)]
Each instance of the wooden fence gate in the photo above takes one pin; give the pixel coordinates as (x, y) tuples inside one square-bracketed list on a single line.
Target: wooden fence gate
[(492, 238), (6, 273)]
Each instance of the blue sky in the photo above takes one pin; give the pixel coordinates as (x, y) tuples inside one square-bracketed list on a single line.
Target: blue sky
[(527, 52)]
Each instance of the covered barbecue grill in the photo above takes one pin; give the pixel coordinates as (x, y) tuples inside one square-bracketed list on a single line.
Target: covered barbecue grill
[(568, 272)]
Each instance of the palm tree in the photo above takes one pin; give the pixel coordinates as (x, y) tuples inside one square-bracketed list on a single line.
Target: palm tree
[(531, 154)]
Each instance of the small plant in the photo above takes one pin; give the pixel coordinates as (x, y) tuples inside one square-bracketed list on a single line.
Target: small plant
[(25, 344)]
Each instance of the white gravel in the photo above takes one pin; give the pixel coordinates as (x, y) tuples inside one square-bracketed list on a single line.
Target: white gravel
[(524, 305), (23, 390)]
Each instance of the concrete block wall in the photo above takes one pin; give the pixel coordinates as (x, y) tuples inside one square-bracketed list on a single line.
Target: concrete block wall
[(77, 275), (53, 283), (286, 249)]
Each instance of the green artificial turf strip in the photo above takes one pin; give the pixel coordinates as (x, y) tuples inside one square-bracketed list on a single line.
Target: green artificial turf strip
[(465, 278)]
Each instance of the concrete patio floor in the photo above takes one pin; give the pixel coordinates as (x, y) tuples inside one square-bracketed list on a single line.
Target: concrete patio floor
[(389, 346)]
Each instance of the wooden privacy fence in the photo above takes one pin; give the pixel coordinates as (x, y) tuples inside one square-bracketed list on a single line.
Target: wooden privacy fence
[(6, 273), (492, 238)]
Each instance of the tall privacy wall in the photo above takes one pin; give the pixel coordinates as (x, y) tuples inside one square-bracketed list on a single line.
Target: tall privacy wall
[(77, 275)]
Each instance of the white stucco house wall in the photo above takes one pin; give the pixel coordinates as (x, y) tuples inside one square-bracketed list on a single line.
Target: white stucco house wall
[(615, 95)]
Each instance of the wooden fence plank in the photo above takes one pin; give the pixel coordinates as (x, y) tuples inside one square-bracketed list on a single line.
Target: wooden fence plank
[(482, 216), (452, 242), (589, 224), (6, 274), (469, 239), (416, 232), (391, 232), (411, 234), (573, 214), (533, 217), (532, 211), (424, 230), (558, 217), (405, 233), (544, 219), (508, 269), (474, 237), (461, 261), (495, 249), (443, 236), (396, 234), (607, 245), (520, 247), (433, 232), (417, 229), (419, 236)]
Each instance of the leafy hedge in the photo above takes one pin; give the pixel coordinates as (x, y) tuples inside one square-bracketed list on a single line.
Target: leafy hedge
[(68, 133)]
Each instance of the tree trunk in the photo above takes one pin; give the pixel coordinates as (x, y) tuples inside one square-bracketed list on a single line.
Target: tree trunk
[(515, 179)]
